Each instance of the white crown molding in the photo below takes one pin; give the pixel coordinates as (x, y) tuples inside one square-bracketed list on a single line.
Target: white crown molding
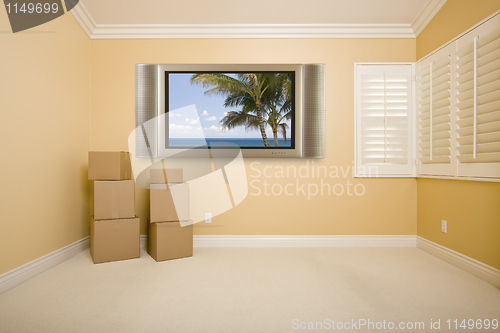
[(25, 272), (83, 17), (133, 31), (468, 264), (427, 13), (152, 31)]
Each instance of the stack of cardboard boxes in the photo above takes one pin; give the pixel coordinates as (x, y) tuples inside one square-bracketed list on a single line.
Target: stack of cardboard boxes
[(114, 228), (170, 235)]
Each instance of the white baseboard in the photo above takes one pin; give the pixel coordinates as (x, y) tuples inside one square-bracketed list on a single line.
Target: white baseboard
[(490, 274), (254, 241), (304, 241), (468, 264), (25, 272)]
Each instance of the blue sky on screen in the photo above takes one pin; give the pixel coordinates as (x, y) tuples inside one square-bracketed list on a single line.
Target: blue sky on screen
[(210, 109)]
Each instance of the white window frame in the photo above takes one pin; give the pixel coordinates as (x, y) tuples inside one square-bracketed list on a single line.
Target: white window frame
[(466, 171), (378, 170), (489, 172)]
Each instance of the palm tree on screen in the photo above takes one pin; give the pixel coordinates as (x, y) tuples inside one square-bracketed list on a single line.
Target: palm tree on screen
[(246, 87), (263, 98), (277, 101)]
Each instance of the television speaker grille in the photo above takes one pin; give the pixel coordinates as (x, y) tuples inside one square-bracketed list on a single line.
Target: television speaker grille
[(146, 109), (314, 111)]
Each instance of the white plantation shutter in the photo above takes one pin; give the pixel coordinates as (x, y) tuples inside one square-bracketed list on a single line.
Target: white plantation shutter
[(477, 74), (434, 114), (383, 120)]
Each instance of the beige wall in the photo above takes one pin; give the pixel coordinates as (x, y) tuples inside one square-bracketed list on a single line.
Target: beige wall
[(455, 17), (44, 138), (49, 73), (472, 208), (388, 206)]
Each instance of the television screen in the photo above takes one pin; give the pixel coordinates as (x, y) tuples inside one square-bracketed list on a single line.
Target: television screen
[(248, 109)]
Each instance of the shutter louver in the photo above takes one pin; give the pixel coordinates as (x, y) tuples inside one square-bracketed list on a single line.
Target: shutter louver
[(384, 106), (384, 119), (458, 106), (478, 107), (434, 115)]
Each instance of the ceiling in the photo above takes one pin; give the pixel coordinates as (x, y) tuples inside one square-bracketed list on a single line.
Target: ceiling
[(227, 18), (253, 11)]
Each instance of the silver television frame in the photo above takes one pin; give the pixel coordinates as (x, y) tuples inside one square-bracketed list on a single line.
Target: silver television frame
[(150, 84)]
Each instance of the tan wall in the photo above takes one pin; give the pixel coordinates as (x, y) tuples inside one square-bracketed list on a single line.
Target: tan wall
[(46, 85), (472, 209), (455, 17), (388, 205), (44, 135)]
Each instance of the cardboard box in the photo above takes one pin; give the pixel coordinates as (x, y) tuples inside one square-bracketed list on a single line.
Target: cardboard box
[(168, 240), (169, 202), (165, 176), (109, 165), (112, 240), (114, 199)]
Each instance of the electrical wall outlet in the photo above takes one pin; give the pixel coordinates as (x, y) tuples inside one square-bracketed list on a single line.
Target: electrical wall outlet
[(444, 226), (208, 217)]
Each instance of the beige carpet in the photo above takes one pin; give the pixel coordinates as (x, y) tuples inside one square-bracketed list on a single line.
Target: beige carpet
[(249, 290)]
